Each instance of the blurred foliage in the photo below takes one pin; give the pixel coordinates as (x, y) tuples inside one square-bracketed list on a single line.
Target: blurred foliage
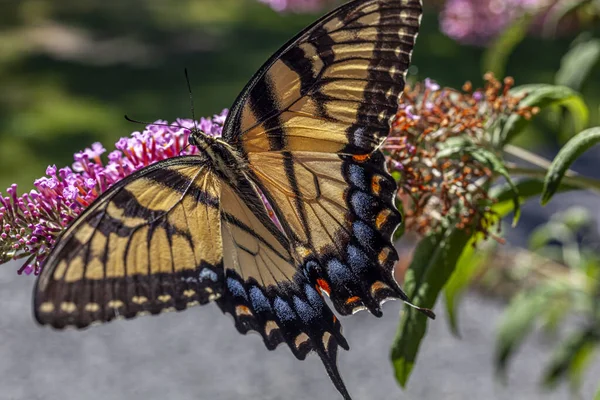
[(567, 285), (69, 70)]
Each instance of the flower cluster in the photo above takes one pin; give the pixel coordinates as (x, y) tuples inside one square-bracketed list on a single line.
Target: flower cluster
[(32, 222), (434, 185)]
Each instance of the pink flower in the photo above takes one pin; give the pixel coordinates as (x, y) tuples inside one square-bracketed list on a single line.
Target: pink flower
[(297, 5), (32, 222)]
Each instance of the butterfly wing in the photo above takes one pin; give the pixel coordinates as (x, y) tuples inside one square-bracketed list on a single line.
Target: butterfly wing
[(265, 291), (174, 235), (310, 124), (151, 243)]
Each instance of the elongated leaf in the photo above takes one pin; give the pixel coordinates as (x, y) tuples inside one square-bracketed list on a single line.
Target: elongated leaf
[(570, 359), (542, 96), (496, 56), (433, 262), (565, 157), (518, 320), (492, 160), (577, 64), (527, 188), (559, 11), (469, 264)]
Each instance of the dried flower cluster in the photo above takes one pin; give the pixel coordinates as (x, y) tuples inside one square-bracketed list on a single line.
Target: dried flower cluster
[(436, 184), (32, 222)]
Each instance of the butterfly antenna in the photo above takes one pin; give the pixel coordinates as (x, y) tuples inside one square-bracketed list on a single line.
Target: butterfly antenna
[(187, 80), (135, 121)]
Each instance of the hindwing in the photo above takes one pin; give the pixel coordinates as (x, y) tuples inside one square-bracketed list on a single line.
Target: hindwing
[(310, 125)]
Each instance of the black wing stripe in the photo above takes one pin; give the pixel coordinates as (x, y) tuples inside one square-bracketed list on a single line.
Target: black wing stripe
[(235, 221)]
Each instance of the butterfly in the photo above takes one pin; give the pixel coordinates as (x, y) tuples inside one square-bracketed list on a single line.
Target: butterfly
[(304, 134)]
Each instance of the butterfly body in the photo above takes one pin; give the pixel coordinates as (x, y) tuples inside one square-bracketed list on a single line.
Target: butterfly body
[(302, 137)]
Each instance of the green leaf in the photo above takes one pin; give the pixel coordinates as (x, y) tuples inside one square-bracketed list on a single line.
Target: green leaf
[(565, 157), (518, 320), (497, 165), (577, 64), (470, 262), (402, 227), (496, 56), (527, 188), (570, 359), (543, 96), (559, 11), (433, 262)]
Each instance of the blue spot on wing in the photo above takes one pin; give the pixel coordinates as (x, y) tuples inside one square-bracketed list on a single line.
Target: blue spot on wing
[(357, 176), (306, 312), (259, 301), (208, 274), (283, 310), (236, 288), (315, 300), (339, 273), (363, 205), (364, 233), (358, 260)]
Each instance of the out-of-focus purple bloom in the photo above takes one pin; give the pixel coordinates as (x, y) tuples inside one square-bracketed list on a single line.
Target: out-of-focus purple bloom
[(297, 5), (478, 21), (33, 221), (432, 85)]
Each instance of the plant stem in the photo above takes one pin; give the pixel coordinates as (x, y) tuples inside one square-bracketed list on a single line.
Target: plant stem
[(577, 180)]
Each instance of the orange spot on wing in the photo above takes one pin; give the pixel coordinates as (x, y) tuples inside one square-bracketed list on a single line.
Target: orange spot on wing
[(375, 186), (382, 218), (242, 310), (352, 299), (323, 285), (361, 157), (383, 255), (377, 286)]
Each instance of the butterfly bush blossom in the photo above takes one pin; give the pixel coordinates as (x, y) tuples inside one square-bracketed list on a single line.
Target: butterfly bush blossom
[(32, 222), (479, 21), (296, 5), (437, 186)]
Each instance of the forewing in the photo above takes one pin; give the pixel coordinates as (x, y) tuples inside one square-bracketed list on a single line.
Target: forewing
[(151, 243), (335, 87)]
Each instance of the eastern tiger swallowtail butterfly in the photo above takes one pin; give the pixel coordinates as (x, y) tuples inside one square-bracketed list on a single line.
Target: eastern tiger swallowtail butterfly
[(304, 133)]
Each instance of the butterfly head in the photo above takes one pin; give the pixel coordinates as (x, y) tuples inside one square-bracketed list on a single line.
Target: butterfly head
[(200, 139)]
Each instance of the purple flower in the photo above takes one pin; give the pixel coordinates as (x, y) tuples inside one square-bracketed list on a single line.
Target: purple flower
[(33, 221), (479, 21), (432, 85), (296, 5)]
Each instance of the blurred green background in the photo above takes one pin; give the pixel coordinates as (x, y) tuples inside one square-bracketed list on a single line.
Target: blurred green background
[(70, 70)]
